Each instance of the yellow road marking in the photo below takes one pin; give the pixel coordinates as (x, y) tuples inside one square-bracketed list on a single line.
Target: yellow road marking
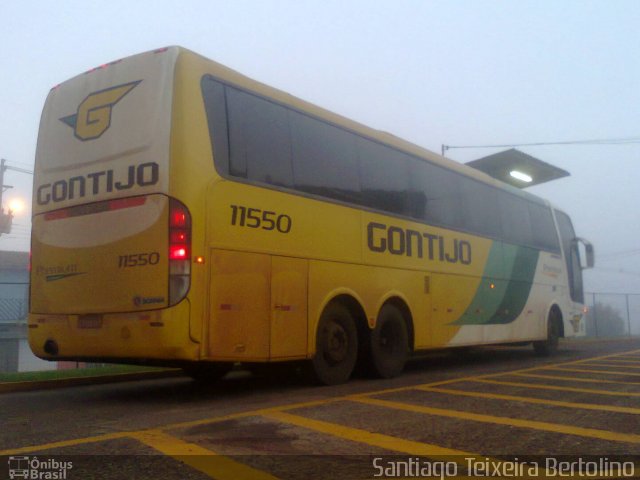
[(601, 364), (573, 379), (370, 438), (112, 436), (581, 370), (561, 389), (380, 440), (64, 443), (623, 361), (515, 398), (207, 461), (602, 357), (533, 369), (512, 422), (250, 413)]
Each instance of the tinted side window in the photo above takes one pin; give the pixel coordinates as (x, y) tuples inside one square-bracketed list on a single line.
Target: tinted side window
[(514, 216), (544, 230), (480, 208), (216, 110), (260, 147), (324, 159), (385, 177), (435, 194)]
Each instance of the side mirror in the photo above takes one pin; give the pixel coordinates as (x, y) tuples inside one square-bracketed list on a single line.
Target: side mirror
[(589, 253)]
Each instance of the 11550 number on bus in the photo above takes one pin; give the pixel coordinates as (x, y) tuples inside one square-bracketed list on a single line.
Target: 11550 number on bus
[(258, 218)]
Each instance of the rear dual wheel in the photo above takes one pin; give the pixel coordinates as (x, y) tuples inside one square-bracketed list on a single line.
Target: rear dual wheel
[(389, 343), (384, 353), (336, 345)]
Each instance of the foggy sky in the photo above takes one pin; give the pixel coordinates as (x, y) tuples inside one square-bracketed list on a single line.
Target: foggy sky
[(432, 72)]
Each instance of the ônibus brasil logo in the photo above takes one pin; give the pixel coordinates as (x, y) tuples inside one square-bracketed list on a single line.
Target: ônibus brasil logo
[(93, 116), (38, 469)]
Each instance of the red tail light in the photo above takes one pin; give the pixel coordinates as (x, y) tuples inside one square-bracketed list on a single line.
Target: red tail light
[(179, 251), (179, 217)]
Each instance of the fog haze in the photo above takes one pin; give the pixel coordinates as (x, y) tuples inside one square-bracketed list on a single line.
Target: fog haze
[(432, 72)]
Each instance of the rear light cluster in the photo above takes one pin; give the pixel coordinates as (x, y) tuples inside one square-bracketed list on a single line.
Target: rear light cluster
[(179, 251)]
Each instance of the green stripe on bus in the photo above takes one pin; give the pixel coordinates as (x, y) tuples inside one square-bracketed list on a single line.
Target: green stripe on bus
[(500, 301), (523, 269)]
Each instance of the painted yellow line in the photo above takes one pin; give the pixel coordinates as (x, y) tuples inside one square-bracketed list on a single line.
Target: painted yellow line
[(245, 414), (539, 401), (193, 423), (614, 365), (64, 443), (369, 438), (560, 389), (534, 369), (622, 361), (205, 460), (211, 420), (602, 357), (472, 378), (582, 370), (573, 379), (511, 422)]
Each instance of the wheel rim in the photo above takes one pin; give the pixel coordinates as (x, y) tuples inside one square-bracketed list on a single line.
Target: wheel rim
[(336, 343), (389, 338)]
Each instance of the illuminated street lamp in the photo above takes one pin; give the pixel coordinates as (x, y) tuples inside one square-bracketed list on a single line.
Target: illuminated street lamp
[(6, 218), (16, 206), (517, 168), (523, 177)]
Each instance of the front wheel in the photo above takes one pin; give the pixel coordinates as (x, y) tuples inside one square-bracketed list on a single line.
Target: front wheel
[(547, 347), (389, 343), (336, 345)]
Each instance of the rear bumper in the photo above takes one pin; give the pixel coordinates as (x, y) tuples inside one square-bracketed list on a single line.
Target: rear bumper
[(158, 337)]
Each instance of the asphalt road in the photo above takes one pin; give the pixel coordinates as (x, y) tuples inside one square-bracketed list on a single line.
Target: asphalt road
[(499, 411)]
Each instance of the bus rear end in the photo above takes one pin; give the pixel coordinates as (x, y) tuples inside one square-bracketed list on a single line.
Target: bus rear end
[(110, 246)]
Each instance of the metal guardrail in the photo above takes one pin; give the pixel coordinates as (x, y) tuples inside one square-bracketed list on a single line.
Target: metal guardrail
[(613, 314)]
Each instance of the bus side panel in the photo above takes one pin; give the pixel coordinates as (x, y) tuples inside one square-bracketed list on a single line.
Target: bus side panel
[(289, 282), (240, 306), (258, 307), (452, 295)]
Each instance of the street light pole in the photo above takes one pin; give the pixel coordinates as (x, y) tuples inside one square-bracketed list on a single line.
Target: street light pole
[(6, 218)]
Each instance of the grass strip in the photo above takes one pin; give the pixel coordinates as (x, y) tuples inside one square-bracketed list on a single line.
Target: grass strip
[(74, 373)]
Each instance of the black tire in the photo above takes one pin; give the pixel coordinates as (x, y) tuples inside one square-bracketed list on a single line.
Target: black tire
[(547, 347), (389, 344), (209, 372), (336, 345)]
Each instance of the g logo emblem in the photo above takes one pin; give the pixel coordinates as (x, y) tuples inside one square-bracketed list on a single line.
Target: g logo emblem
[(93, 117)]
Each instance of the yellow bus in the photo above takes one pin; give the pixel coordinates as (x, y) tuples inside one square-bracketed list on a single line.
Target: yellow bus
[(187, 215)]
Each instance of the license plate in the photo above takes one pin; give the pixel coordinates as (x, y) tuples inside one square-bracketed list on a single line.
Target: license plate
[(90, 321)]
